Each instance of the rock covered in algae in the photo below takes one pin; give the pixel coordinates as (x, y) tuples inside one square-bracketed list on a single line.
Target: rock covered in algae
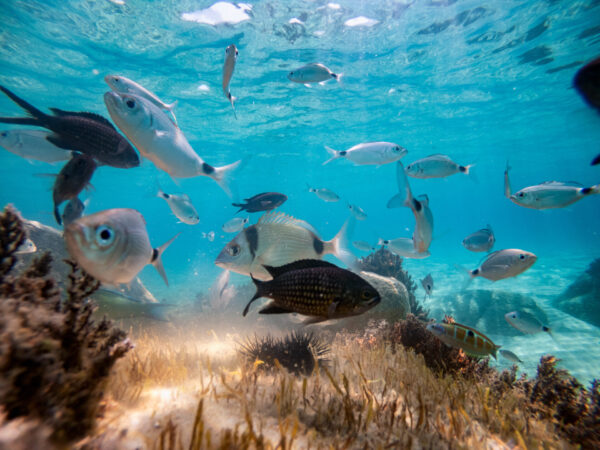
[(54, 360), (582, 297)]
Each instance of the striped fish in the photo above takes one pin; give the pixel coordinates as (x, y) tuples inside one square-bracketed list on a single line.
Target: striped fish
[(473, 342)]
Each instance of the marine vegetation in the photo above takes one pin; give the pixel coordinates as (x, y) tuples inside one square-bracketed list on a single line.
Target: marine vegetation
[(54, 360)]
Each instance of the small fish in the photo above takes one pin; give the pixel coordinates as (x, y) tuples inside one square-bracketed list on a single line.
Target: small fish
[(435, 166), (262, 202), (220, 293), (28, 246), (364, 246), (234, 225), (526, 323), (552, 194), (210, 236), (279, 239), (231, 54), (181, 205), (507, 354), (404, 247), (503, 264), (117, 306), (473, 342), (71, 180), (480, 241), (159, 140), (314, 288), (357, 212), (507, 188), (84, 132), (369, 153), (312, 73), (113, 245), (33, 145), (587, 83), (126, 86), (73, 210), (327, 195), (427, 284)]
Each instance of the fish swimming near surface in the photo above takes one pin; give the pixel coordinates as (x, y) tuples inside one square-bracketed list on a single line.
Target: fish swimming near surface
[(312, 73), (231, 54), (159, 140), (71, 180), (503, 264), (427, 284), (473, 342), (117, 306), (369, 153), (526, 323), (181, 205), (435, 166), (84, 132), (278, 239), (33, 145), (28, 246), (327, 195), (73, 210), (587, 83), (357, 212), (481, 241), (314, 288), (262, 202), (124, 85), (113, 245), (507, 354), (234, 225)]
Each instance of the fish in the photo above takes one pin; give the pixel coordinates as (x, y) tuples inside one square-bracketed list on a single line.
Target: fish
[(210, 236), (71, 180), (595, 161), (369, 153), (117, 306), (507, 188), (84, 132), (435, 166), (221, 293), (587, 83), (480, 241), (312, 73), (357, 212), (33, 145), (427, 284), (278, 239), (231, 54), (314, 288), (423, 232), (113, 245), (159, 140), (73, 210), (181, 205), (262, 202), (526, 323), (503, 264), (28, 246), (404, 247), (472, 342), (552, 194), (327, 195), (234, 225), (364, 246), (124, 85), (507, 354)]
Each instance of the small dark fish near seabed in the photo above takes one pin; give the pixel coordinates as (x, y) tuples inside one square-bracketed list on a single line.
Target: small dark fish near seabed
[(315, 288), (71, 180), (262, 202), (85, 132)]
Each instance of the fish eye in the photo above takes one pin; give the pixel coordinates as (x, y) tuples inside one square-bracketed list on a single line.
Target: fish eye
[(116, 79), (233, 250), (397, 148), (237, 53), (130, 103), (521, 256), (291, 73), (104, 235), (520, 194)]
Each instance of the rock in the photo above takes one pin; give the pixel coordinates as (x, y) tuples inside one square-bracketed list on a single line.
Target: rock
[(581, 298)]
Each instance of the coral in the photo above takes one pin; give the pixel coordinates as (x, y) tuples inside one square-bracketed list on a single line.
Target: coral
[(54, 361), (385, 263), (296, 352)]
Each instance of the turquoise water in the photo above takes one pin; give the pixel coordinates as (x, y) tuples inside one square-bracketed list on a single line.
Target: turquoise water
[(483, 82)]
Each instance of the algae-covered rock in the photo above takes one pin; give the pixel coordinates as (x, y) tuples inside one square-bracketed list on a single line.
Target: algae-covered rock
[(582, 297)]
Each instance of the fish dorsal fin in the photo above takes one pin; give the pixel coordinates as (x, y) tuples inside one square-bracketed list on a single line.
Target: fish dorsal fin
[(284, 219), (87, 115), (561, 183), (439, 155), (474, 331), (297, 265)]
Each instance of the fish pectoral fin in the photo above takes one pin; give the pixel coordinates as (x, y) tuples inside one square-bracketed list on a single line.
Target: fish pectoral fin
[(272, 308), (332, 308)]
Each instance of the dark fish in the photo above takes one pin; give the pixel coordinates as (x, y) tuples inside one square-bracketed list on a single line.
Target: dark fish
[(587, 83), (73, 210), (71, 180), (315, 288), (85, 132), (262, 202)]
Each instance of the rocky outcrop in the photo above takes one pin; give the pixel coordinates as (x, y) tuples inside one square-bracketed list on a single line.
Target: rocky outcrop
[(582, 297)]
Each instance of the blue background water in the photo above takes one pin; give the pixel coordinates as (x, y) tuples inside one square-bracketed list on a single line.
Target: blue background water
[(484, 82)]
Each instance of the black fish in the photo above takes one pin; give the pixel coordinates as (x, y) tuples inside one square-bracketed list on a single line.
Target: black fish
[(315, 288), (85, 132), (71, 180), (262, 202), (587, 83)]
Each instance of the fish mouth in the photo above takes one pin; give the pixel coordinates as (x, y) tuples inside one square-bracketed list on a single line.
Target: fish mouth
[(111, 99)]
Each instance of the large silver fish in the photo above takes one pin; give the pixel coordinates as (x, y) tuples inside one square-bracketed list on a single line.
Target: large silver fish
[(503, 264), (526, 323), (231, 54), (113, 245), (481, 241), (33, 145), (435, 166), (369, 153), (279, 239)]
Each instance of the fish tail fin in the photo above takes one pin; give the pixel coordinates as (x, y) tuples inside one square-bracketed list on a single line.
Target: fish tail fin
[(222, 175), (339, 245), (468, 170), (333, 153), (467, 274), (157, 258), (232, 100), (57, 215), (404, 196), (32, 110), (159, 191), (338, 77), (595, 161), (259, 293), (20, 120), (595, 189), (172, 106)]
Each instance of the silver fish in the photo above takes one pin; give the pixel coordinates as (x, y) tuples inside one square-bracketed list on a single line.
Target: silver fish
[(357, 212), (234, 225), (231, 54), (481, 241), (182, 207), (117, 306), (503, 264), (312, 73), (278, 239), (364, 246), (369, 153), (526, 323), (435, 166), (221, 293), (28, 246), (427, 284), (507, 354), (325, 194), (32, 145), (113, 245), (404, 247)]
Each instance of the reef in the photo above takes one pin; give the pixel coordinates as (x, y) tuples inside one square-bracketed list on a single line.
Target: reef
[(54, 360), (580, 298)]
